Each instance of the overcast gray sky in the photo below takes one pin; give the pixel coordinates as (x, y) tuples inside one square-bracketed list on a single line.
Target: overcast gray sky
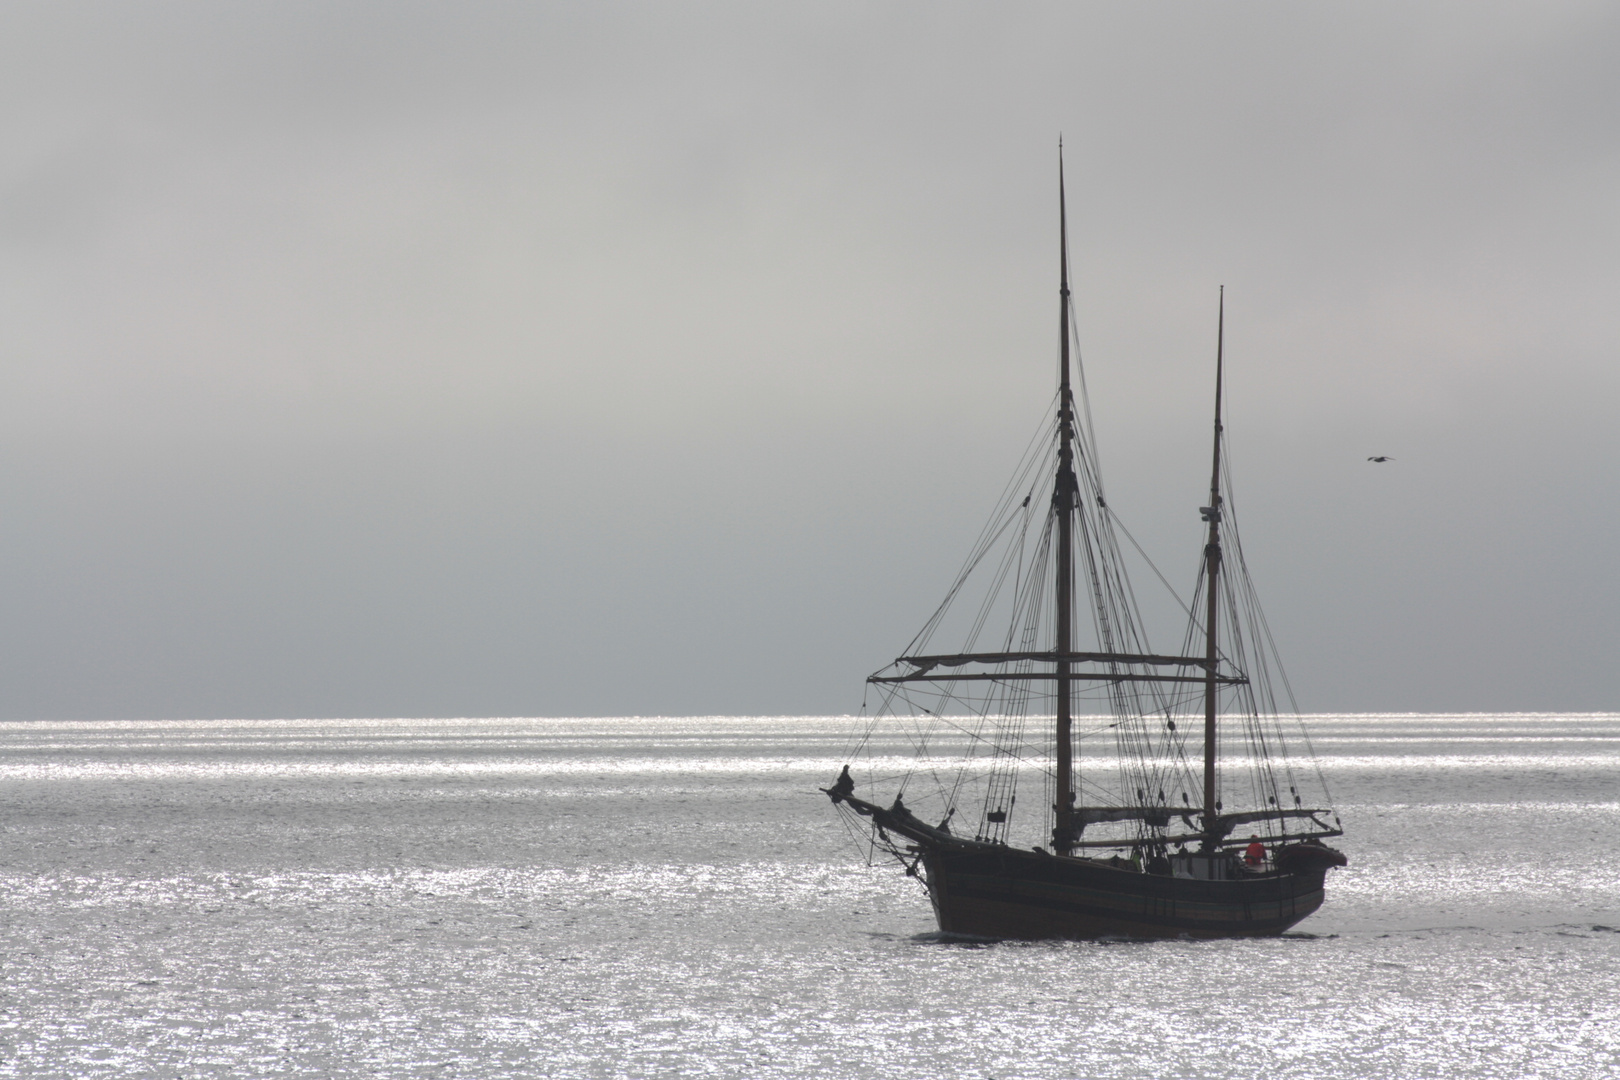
[(544, 359)]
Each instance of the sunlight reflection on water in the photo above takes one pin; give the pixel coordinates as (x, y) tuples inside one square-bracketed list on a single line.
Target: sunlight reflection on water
[(469, 898)]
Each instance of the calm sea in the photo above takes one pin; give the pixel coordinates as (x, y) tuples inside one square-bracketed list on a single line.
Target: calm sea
[(672, 897)]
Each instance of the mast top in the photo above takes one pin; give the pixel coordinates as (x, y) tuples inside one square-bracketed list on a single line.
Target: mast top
[(1220, 348), (1065, 396), (1063, 221)]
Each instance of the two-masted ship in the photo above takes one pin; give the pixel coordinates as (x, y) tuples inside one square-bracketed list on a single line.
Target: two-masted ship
[(1173, 797)]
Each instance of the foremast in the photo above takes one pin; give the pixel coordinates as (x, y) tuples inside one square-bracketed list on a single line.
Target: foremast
[(1064, 833)]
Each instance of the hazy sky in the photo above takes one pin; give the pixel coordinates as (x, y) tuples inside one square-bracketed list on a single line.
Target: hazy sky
[(543, 359)]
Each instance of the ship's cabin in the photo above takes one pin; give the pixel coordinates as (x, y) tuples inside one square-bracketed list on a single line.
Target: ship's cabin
[(1221, 866)]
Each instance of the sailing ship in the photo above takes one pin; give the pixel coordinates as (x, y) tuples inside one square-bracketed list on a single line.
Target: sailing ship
[(1205, 817)]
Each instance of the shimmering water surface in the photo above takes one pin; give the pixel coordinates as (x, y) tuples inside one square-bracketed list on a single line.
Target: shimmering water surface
[(657, 897)]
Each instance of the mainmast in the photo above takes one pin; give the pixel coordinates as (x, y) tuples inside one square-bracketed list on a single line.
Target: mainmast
[(1063, 500), (1212, 570)]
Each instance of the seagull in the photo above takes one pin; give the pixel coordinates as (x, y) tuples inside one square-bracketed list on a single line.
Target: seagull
[(1381, 457)]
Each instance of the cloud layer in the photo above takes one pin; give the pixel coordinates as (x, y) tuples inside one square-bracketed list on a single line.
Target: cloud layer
[(397, 359)]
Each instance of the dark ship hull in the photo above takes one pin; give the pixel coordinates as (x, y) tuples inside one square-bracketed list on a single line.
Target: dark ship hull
[(1008, 893), (988, 890)]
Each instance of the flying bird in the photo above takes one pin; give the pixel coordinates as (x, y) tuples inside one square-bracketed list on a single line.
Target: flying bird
[(1381, 457)]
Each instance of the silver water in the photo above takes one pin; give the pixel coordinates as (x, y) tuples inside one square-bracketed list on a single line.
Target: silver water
[(672, 897)]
